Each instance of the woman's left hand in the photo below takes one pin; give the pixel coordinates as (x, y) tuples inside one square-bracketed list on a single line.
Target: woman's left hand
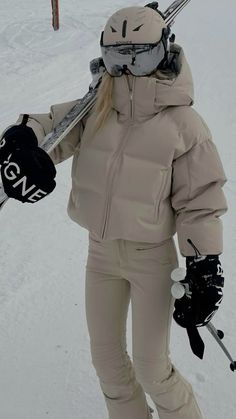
[(203, 291)]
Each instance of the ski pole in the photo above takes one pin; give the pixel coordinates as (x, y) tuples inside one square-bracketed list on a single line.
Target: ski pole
[(218, 336), (178, 291)]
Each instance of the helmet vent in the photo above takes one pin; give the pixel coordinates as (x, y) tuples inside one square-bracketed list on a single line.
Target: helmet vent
[(112, 29), (137, 29), (124, 28)]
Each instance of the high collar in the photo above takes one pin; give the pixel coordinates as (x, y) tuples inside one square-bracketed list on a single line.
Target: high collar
[(141, 98)]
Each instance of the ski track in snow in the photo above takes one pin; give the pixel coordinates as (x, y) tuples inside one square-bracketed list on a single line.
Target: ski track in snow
[(45, 364)]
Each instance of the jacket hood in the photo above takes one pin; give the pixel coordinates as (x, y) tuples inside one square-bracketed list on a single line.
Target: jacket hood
[(140, 98)]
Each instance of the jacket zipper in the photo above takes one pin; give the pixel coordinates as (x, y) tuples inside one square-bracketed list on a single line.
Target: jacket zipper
[(114, 164), (111, 176), (131, 96)]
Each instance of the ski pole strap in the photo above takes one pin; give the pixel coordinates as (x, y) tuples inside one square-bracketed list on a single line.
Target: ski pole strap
[(196, 342), (25, 119)]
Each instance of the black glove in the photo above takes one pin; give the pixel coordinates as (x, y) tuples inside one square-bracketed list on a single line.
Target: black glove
[(18, 136), (27, 171), (203, 294), (203, 284)]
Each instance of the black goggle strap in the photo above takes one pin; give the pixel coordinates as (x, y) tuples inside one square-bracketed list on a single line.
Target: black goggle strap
[(154, 5)]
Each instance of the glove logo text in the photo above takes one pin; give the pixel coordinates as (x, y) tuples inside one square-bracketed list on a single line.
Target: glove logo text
[(2, 143), (11, 171)]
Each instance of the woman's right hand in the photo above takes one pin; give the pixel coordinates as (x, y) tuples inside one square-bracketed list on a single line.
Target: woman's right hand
[(27, 171)]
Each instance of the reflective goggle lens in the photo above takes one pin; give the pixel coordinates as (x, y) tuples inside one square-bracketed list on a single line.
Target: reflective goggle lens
[(139, 59)]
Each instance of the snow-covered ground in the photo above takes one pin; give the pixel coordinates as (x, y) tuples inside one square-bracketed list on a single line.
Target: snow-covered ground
[(45, 364)]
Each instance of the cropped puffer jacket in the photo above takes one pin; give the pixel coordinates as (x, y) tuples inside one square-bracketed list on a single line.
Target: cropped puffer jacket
[(152, 170)]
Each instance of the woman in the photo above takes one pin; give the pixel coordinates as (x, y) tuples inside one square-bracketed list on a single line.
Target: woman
[(144, 167)]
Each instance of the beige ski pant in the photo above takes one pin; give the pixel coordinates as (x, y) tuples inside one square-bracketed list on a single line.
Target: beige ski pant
[(119, 272)]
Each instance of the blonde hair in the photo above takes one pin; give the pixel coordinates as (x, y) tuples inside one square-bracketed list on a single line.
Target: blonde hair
[(103, 105)]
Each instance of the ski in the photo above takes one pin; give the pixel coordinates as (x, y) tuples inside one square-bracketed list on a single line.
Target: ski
[(86, 103), (173, 10)]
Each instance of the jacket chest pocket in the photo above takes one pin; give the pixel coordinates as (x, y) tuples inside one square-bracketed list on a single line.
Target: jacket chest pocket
[(162, 192)]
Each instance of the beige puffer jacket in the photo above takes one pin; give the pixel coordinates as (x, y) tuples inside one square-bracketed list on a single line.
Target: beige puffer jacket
[(150, 171)]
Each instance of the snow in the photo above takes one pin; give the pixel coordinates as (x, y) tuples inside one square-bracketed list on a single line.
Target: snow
[(45, 363)]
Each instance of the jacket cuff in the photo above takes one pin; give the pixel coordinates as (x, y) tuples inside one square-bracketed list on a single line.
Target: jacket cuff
[(207, 237)]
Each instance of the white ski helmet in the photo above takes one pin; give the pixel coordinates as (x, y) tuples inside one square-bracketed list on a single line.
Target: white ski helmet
[(134, 38)]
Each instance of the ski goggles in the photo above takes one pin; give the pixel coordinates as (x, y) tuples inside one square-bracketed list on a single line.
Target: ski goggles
[(139, 59)]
